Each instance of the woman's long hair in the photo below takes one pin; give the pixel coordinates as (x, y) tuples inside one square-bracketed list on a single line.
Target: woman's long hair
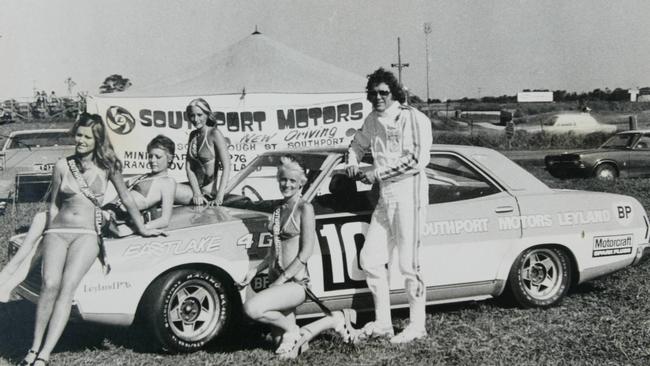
[(203, 105), (104, 156)]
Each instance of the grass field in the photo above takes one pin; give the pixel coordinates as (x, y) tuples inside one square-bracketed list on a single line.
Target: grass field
[(604, 322)]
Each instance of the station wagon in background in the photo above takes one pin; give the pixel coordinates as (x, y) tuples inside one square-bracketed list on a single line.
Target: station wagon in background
[(626, 154), (491, 228), (578, 123), (28, 156)]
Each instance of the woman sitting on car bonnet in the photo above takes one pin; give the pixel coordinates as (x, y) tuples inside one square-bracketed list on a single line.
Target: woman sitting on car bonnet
[(207, 150), (293, 229), (151, 190)]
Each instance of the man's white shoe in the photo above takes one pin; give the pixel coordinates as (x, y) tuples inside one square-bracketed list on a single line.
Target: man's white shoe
[(409, 334), (374, 330)]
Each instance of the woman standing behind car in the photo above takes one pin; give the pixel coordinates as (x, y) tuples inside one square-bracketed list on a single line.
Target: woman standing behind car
[(207, 150), (72, 241)]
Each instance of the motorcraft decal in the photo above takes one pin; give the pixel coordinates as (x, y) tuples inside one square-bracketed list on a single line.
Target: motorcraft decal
[(605, 246)]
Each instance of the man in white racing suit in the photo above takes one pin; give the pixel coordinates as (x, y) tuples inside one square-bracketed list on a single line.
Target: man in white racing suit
[(399, 138)]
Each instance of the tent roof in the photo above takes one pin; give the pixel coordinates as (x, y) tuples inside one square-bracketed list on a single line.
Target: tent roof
[(255, 64)]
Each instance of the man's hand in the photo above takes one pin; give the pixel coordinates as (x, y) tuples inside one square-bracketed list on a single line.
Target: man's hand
[(367, 177), (353, 171)]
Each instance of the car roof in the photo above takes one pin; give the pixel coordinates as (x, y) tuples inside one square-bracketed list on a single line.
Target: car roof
[(39, 130), (506, 172)]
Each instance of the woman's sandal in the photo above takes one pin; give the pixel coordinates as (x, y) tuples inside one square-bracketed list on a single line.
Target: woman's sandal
[(347, 331), (300, 346), (289, 339), (25, 362)]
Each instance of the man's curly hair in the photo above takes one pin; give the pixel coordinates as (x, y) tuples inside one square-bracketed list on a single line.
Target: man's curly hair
[(383, 76)]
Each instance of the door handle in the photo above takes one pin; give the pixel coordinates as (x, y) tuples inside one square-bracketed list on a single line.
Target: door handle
[(504, 209)]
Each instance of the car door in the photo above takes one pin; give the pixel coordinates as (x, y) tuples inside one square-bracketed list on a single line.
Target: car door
[(639, 165), (471, 223)]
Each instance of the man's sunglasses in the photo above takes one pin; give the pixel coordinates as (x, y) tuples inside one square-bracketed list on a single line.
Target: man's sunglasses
[(374, 93)]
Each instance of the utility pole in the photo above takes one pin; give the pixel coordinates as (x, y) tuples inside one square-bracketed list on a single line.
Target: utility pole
[(399, 63), (427, 31)]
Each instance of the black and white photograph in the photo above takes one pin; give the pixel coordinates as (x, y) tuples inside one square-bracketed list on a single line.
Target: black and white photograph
[(425, 182)]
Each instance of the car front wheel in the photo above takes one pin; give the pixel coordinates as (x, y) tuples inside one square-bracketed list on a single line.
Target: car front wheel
[(540, 277), (606, 172), (186, 309)]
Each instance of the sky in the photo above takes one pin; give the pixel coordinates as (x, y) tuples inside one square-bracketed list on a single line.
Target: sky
[(475, 48)]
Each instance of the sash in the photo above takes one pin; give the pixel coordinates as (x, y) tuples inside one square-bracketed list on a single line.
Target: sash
[(99, 217)]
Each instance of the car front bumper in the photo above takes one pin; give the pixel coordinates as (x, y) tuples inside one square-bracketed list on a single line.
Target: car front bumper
[(568, 169)]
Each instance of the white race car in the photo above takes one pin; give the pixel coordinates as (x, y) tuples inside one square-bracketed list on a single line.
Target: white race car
[(491, 227)]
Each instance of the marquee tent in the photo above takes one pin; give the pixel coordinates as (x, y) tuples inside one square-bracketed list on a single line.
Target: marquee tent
[(264, 96)]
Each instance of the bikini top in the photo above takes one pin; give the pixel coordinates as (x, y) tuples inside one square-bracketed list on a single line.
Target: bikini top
[(290, 229), (96, 182), (203, 153)]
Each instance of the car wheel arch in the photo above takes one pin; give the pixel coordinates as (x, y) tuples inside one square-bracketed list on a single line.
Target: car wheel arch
[(202, 271), (606, 162), (530, 290), (216, 270), (507, 265)]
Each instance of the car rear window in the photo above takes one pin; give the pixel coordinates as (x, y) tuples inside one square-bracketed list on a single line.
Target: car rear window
[(41, 139)]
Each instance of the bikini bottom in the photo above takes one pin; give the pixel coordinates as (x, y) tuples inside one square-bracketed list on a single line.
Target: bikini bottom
[(69, 234)]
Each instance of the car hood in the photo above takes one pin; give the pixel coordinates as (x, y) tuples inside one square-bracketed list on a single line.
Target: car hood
[(189, 216), (586, 152)]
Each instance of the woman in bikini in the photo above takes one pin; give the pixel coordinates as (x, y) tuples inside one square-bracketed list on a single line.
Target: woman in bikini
[(71, 241), (148, 190), (293, 227), (207, 150)]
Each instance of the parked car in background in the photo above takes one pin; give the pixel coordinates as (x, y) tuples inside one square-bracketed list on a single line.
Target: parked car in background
[(31, 154), (491, 226), (577, 123), (626, 154)]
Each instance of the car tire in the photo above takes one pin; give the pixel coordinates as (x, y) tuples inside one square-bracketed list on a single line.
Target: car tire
[(185, 309), (540, 277), (606, 172)]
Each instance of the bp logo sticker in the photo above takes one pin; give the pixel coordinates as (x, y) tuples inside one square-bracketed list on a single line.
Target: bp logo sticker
[(119, 120)]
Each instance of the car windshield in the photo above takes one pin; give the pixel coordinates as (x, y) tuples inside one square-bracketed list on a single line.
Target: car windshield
[(619, 141), (257, 187), (41, 139)]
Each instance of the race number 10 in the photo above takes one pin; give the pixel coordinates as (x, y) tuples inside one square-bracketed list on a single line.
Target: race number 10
[(341, 243)]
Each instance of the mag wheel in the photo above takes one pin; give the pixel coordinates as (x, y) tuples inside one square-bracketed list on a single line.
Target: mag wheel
[(540, 277), (606, 172), (185, 309)]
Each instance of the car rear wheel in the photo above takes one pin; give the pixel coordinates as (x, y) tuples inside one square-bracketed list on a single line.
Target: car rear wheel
[(186, 309), (606, 172), (540, 277)]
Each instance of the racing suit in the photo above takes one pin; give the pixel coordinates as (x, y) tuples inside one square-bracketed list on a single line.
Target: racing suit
[(399, 139)]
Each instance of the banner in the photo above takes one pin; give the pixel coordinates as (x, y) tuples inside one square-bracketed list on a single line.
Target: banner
[(251, 124)]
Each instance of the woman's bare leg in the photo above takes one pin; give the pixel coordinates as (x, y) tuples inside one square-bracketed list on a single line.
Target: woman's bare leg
[(54, 254), (16, 270), (81, 255), (183, 195), (268, 306)]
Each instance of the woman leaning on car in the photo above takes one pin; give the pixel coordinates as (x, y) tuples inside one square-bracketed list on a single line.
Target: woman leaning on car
[(71, 240)]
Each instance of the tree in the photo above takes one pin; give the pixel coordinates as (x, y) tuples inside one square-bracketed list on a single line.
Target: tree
[(114, 83)]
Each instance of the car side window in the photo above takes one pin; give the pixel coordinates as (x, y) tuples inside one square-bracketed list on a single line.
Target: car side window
[(340, 193), (452, 179), (643, 143)]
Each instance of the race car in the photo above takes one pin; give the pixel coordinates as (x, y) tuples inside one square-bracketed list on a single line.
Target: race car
[(491, 228)]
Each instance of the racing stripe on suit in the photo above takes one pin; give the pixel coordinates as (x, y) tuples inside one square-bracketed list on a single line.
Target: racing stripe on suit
[(399, 140)]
